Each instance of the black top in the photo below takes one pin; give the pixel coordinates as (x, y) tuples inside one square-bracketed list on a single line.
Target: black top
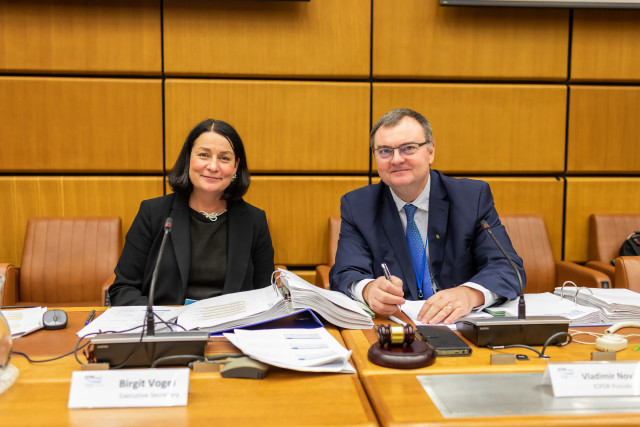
[(208, 256), (249, 252)]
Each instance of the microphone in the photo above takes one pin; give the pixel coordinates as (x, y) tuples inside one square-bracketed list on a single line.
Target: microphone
[(521, 305), (507, 331), (151, 329), (126, 350)]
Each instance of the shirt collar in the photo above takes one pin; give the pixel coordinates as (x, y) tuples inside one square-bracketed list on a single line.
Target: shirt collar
[(421, 202)]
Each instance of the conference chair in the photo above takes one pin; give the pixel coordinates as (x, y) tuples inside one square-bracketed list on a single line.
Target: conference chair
[(66, 261), (322, 271), (530, 239), (628, 272), (607, 232)]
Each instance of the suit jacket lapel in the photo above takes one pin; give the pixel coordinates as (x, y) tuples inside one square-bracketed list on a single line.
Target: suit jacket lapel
[(397, 239), (181, 236), (438, 221), (238, 239)]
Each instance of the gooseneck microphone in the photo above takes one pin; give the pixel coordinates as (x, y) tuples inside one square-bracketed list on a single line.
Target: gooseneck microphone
[(521, 305), (151, 329), (511, 331)]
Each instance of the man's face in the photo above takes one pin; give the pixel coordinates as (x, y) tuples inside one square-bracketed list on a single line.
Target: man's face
[(407, 176)]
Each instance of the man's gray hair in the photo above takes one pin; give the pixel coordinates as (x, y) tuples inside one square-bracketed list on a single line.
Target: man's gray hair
[(393, 117)]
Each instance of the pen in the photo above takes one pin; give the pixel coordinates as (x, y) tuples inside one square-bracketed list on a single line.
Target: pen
[(90, 317), (387, 275)]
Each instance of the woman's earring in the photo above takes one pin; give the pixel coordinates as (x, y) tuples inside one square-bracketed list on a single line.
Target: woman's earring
[(233, 177)]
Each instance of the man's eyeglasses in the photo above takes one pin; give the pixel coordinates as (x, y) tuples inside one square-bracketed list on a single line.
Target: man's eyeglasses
[(405, 150)]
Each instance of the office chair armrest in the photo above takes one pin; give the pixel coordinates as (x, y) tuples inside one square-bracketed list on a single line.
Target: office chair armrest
[(322, 276), (581, 275), (10, 291), (606, 268), (105, 289)]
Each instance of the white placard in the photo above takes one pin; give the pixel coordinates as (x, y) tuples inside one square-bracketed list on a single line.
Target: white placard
[(129, 388), (593, 378)]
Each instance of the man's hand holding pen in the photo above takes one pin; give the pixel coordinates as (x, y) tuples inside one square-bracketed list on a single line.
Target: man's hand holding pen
[(384, 295)]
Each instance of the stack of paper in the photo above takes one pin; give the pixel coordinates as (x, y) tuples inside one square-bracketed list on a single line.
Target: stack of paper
[(310, 350), (335, 307), (615, 305), (24, 320), (548, 304)]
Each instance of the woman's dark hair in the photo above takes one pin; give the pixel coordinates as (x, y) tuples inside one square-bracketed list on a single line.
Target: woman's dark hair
[(179, 175)]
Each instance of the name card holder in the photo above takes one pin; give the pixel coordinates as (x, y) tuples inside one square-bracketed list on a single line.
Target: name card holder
[(129, 388), (601, 378)]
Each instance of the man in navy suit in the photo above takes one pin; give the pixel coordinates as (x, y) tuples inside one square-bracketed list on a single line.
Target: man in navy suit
[(425, 227)]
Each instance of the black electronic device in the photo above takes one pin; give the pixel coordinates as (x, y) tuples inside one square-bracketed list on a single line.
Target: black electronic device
[(496, 331), (54, 319), (125, 350), (444, 341)]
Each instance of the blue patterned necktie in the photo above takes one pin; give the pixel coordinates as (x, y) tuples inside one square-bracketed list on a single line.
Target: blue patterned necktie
[(418, 254)]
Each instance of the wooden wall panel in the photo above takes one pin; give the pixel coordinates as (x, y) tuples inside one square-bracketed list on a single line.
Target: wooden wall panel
[(80, 125), (422, 39), (267, 38), (298, 209), (541, 196), (285, 126), (603, 136), (486, 128), (80, 36), (586, 196), (605, 45), (24, 197)]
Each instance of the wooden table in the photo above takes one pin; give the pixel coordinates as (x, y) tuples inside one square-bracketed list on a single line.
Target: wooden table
[(40, 394), (399, 399)]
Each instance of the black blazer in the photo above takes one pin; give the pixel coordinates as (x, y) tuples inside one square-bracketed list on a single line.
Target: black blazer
[(459, 250), (249, 252)]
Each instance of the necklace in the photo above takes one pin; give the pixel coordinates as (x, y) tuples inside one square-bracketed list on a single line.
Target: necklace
[(213, 217)]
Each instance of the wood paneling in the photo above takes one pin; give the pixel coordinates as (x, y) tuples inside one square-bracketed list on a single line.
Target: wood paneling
[(80, 125), (24, 197), (486, 128), (603, 135), (285, 126), (542, 196), (419, 38), (298, 209), (80, 36), (605, 45), (586, 196), (267, 38)]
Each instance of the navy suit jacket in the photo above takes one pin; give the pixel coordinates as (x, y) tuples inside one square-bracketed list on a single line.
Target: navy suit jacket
[(249, 252), (459, 250)]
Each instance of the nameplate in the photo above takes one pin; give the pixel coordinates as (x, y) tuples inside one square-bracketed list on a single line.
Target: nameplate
[(593, 378), (129, 388)]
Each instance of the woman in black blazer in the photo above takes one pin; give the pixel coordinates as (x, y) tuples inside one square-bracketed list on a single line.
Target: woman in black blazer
[(218, 243)]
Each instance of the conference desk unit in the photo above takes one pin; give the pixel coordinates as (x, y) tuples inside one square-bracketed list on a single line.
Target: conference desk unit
[(40, 394), (399, 399)]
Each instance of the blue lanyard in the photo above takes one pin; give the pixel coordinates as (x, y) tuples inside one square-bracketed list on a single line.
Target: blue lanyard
[(420, 275)]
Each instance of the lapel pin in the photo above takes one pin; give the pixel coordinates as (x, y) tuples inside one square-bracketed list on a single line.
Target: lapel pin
[(437, 236)]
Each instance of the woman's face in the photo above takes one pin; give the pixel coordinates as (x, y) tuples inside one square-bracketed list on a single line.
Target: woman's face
[(212, 164)]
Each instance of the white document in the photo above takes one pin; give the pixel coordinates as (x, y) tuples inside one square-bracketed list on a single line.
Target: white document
[(128, 319), (548, 304), (127, 388), (24, 320), (309, 350), (412, 309)]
